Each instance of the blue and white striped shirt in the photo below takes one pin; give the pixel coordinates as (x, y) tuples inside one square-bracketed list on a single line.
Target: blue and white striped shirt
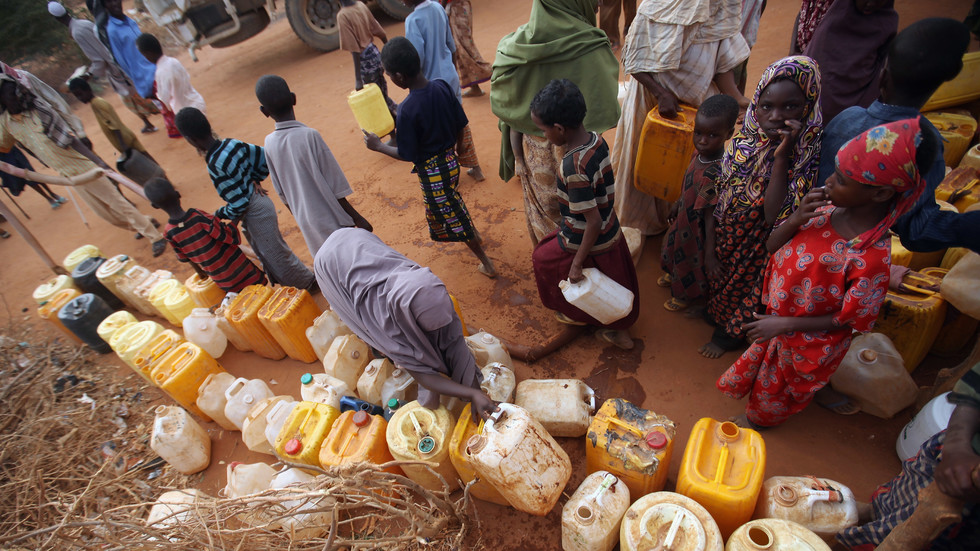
[(233, 165)]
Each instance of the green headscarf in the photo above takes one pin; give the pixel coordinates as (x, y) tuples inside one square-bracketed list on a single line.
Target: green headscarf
[(560, 40)]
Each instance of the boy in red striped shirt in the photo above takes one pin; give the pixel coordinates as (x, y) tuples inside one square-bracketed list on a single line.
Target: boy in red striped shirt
[(208, 244)]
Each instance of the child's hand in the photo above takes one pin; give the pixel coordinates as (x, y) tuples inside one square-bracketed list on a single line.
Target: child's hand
[(765, 327), (789, 136), (371, 140), (575, 273), (674, 211), (712, 266), (481, 406), (812, 202)]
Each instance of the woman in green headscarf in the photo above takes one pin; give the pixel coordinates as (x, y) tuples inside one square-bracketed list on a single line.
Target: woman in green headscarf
[(560, 40)]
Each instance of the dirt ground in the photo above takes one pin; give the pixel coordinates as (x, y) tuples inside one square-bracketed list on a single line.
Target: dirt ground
[(663, 372)]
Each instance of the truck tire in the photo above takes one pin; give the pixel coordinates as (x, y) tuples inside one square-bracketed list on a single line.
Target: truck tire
[(395, 8), (252, 23), (315, 22)]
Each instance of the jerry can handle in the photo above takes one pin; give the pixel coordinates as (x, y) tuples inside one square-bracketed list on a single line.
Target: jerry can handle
[(917, 277), (607, 481), (962, 192), (675, 525), (590, 394), (502, 408), (239, 382)]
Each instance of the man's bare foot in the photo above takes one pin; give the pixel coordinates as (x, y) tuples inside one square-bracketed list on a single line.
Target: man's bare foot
[(487, 269), (473, 91), (711, 351), (477, 174), (619, 339)]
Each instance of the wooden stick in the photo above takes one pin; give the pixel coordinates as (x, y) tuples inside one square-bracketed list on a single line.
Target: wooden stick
[(11, 197), (22, 230)]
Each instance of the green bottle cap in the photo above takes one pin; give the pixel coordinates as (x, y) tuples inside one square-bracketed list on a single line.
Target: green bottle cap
[(306, 379), (393, 403)]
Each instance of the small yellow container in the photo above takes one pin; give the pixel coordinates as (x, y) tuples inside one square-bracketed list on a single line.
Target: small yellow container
[(243, 315), (143, 290), (913, 318), (111, 272), (49, 310), (371, 110), (181, 372), (205, 292), (128, 341), (632, 443), (357, 436), (465, 428), (416, 433), (722, 469), (76, 257), (179, 303), (952, 256), (957, 330), (46, 290), (159, 346), (158, 298), (459, 314), (286, 315), (961, 187), (664, 153), (957, 132), (113, 323), (303, 433)]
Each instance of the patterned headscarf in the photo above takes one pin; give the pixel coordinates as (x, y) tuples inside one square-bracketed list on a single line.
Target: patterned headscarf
[(885, 156), (749, 157)]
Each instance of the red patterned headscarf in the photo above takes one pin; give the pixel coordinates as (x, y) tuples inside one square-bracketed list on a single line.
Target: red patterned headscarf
[(885, 156)]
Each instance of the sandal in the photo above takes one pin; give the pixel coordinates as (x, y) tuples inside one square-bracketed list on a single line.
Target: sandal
[(837, 402), (675, 305), (562, 318), (665, 281)]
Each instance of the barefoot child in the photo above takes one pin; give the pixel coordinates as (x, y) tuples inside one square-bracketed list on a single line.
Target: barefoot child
[(689, 247), (767, 169), (589, 234), (828, 274), (358, 27), (203, 241), (430, 122)]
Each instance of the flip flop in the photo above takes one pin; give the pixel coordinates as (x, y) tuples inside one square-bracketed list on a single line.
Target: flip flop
[(665, 281), (843, 406), (562, 318), (675, 305)]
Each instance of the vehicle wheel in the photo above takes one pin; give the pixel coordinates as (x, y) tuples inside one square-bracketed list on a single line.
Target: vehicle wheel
[(252, 23), (395, 8), (315, 22)]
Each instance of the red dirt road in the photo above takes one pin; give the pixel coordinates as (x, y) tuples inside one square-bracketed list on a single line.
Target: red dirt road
[(663, 372)]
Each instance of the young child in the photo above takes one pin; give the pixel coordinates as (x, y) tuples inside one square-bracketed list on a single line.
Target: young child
[(689, 247), (427, 28), (429, 124), (236, 168), (828, 274), (173, 83), (358, 27), (203, 241), (589, 234), (118, 134), (767, 169), (304, 172)]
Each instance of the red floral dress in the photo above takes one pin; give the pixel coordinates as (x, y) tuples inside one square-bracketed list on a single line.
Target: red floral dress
[(814, 274)]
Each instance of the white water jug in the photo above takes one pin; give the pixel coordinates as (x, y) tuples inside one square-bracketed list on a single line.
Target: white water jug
[(323, 389), (275, 419), (241, 396), (211, 398), (346, 359), (564, 407), (300, 525), (326, 327), (498, 382), (488, 349), (201, 328), (820, 505), (247, 479), (599, 296), (253, 428), (370, 382), (873, 374), (178, 506), (591, 518), (400, 386), (931, 419), (179, 440)]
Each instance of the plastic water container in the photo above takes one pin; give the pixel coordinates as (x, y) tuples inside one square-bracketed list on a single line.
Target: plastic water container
[(820, 505), (303, 433), (111, 271), (286, 315), (248, 479), (158, 298), (416, 433), (772, 533), (722, 469), (632, 443), (634, 242), (129, 282), (130, 340), (913, 317), (177, 507), (957, 131), (464, 429), (243, 314), (254, 425), (961, 187), (179, 303), (563, 406), (204, 291), (211, 398), (353, 403), (84, 277), (873, 374), (401, 386), (591, 518), (182, 371), (326, 327), (931, 419), (298, 524), (488, 349), (49, 310), (114, 322), (355, 437), (323, 389), (972, 158), (665, 520), (144, 289), (82, 316), (599, 296), (149, 356), (371, 381), (498, 382), (76, 257), (46, 290), (346, 359), (664, 152), (234, 337), (241, 396), (960, 90), (960, 285), (201, 328), (276, 418), (371, 110), (521, 460), (179, 440)]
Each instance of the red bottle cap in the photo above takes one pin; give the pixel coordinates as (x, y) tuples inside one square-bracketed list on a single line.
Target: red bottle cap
[(656, 440), (361, 418), (293, 447)]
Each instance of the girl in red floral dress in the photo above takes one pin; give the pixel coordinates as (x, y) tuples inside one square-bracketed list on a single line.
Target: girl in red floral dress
[(828, 273)]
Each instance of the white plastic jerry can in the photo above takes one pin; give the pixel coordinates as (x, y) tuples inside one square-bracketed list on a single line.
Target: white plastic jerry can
[(323, 388), (326, 327), (201, 328), (821, 505), (211, 398), (346, 359), (488, 349), (179, 440), (241, 396), (498, 382), (370, 383), (591, 518), (599, 296), (563, 406)]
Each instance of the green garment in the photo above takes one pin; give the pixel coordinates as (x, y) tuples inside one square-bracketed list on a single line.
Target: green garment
[(560, 40)]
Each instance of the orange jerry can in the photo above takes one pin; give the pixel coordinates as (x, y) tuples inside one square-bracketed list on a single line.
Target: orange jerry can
[(722, 469), (49, 310), (181, 372), (357, 436), (286, 315), (957, 132), (464, 429), (304, 431), (664, 153), (205, 292), (960, 188), (912, 318), (632, 443), (243, 315), (159, 346), (958, 328)]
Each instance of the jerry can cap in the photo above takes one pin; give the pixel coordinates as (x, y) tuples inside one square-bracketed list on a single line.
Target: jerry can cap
[(656, 440), (293, 446), (393, 403), (427, 444), (361, 418), (306, 379)]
